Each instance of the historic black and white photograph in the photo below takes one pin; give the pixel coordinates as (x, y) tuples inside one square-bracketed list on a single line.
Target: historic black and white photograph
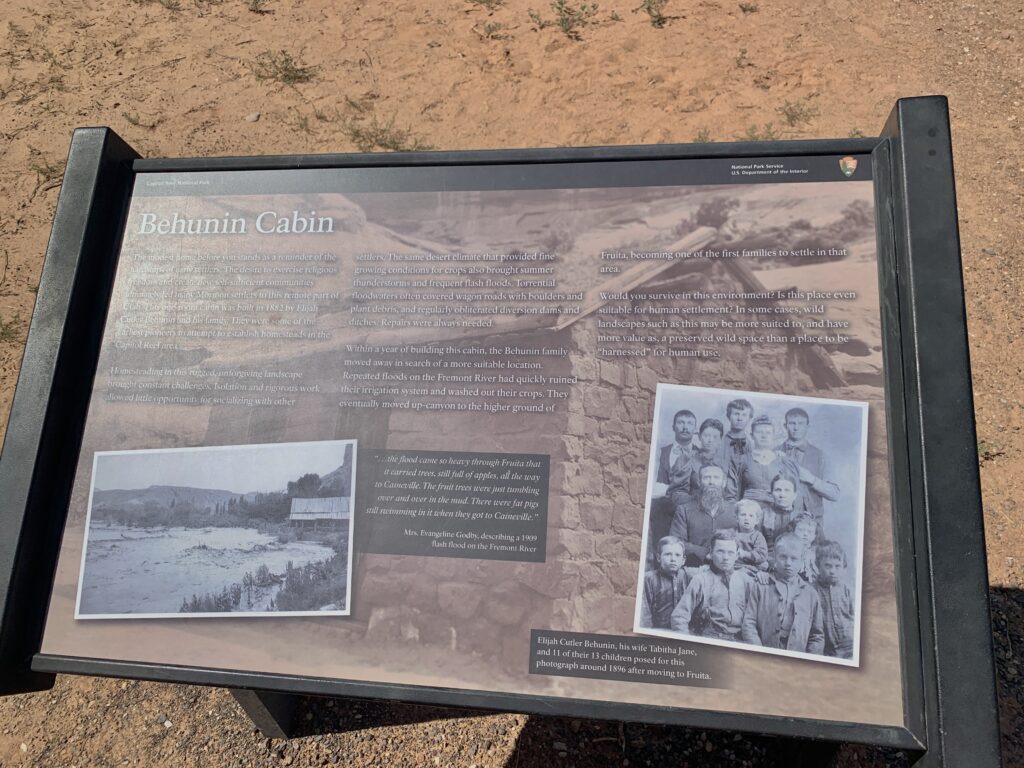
[(252, 530), (754, 523)]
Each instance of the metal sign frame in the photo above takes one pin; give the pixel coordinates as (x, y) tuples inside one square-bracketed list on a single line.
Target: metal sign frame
[(941, 575)]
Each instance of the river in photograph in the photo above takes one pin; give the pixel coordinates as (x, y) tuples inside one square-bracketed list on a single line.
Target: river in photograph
[(152, 570)]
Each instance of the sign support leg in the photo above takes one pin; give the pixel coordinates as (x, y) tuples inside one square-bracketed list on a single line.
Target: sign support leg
[(270, 711)]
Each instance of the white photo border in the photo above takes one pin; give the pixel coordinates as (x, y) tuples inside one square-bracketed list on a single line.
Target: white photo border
[(858, 559), (79, 616)]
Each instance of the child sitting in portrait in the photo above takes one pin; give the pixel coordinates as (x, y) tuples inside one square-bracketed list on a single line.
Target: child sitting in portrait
[(753, 547)]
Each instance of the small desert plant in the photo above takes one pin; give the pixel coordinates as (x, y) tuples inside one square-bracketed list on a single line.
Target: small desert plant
[(492, 31), (134, 119), (281, 67), (703, 136), (16, 33), (362, 105), (655, 9), (170, 5), (797, 112), (32, 45), (765, 133), (9, 330), (748, 7), (48, 172), (568, 18), (763, 80), (258, 6), (490, 5), (377, 135), (324, 116), (988, 451), (743, 60), (856, 133)]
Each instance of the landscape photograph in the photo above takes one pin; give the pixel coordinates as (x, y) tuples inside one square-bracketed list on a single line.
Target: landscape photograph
[(255, 530)]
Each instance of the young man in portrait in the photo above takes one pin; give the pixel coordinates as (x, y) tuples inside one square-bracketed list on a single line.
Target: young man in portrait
[(675, 460), (816, 482)]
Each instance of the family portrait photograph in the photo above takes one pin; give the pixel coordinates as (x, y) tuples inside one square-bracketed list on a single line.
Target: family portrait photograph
[(252, 530), (754, 522)]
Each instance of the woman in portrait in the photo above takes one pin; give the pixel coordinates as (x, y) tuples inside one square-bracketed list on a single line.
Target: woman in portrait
[(751, 475)]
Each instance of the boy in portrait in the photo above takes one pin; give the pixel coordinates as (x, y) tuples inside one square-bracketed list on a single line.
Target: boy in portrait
[(836, 600), (785, 612), (815, 475), (736, 442), (805, 528), (712, 605), (664, 586)]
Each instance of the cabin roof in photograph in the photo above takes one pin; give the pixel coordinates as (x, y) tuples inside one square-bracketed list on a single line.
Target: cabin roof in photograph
[(332, 508)]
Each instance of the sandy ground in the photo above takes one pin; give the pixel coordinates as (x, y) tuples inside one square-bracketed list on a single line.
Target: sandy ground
[(203, 77)]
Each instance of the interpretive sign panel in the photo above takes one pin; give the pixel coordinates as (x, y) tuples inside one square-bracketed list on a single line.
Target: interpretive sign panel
[(665, 434), (593, 434)]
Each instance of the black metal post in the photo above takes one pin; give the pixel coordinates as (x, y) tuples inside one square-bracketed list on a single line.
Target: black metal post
[(949, 538), (48, 413), (272, 712)]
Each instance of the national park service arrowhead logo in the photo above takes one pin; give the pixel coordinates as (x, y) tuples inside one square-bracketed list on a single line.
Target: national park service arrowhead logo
[(848, 165)]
